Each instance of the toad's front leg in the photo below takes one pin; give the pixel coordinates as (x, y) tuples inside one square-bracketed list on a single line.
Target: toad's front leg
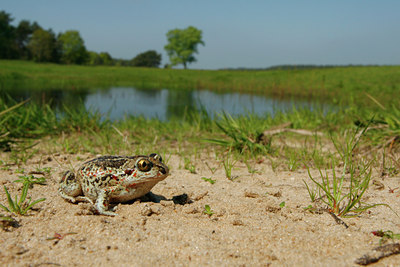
[(103, 201)]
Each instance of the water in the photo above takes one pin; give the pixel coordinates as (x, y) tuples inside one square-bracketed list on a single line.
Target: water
[(115, 103)]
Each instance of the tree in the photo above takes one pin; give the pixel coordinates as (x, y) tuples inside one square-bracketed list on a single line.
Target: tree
[(43, 46), (149, 59), (94, 58), (106, 58), (182, 44), (73, 50), (102, 58), (23, 34), (8, 47)]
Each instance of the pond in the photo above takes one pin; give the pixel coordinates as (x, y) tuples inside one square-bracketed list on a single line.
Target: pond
[(163, 104)]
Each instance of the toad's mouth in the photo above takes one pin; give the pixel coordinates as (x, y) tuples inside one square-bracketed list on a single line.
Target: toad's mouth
[(159, 177), (163, 170)]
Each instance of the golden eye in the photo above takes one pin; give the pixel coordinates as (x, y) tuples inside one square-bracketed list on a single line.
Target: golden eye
[(144, 165)]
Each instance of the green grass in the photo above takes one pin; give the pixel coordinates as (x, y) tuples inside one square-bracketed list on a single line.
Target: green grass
[(20, 206), (28, 120), (210, 180), (208, 211), (188, 165), (229, 162), (340, 84), (343, 193), (81, 131), (242, 134), (30, 180)]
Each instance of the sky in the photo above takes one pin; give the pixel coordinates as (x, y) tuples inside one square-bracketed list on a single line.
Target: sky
[(237, 33)]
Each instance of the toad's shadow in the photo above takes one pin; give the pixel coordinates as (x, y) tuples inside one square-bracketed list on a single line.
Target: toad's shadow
[(151, 197)]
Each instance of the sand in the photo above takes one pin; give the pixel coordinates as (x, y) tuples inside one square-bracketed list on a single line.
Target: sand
[(250, 225)]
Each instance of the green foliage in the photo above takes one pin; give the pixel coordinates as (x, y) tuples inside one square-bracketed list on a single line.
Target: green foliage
[(207, 210), (102, 58), (228, 163), (188, 165), (19, 122), (282, 84), (22, 121), (106, 59), (293, 159), (73, 50), (30, 180), (243, 134), (78, 118), (14, 40), (20, 206), (7, 130), (182, 45), (94, 58), (311, 192), (150, 59), (7, 36), (388, 124), (43, 46), (342, 202), (211, 181), (23, 35)]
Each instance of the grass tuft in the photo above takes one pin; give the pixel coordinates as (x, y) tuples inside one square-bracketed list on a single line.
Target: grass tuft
[(242, 135), (345, 201), (20, 206), (30, 180)]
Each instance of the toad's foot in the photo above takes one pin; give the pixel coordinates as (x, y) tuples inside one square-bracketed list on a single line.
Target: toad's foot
[(74, 199)]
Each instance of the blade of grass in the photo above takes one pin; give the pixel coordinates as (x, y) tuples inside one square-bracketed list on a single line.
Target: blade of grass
[(10, 201), (32, 204), (14, 107)]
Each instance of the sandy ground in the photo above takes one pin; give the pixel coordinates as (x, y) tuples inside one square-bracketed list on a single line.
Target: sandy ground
[(248, 226)]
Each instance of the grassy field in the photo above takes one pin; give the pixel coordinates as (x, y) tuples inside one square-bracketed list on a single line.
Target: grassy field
[(347, 85)]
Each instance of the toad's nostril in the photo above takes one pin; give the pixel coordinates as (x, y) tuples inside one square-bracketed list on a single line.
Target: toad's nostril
[(163, 171)]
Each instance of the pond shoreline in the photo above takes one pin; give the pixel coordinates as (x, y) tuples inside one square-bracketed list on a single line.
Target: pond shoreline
[(118, 102), (346, 85)]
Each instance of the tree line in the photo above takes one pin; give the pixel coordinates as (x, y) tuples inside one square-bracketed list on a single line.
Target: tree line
[(29, 41)]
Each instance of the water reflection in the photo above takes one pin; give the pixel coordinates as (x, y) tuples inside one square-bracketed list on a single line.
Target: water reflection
[(56, 98), (118, 102), (115, 103)]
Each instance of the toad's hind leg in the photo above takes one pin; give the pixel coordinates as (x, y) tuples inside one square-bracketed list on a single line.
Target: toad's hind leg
[(70, 188)]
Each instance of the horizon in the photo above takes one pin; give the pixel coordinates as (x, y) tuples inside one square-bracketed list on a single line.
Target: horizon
[(238, 35)]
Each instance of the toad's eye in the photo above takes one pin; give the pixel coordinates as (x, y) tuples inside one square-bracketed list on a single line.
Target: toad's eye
[(156, 157), (144, 165)]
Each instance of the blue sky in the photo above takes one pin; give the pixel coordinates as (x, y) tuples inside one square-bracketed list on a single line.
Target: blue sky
[(248, 33)]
